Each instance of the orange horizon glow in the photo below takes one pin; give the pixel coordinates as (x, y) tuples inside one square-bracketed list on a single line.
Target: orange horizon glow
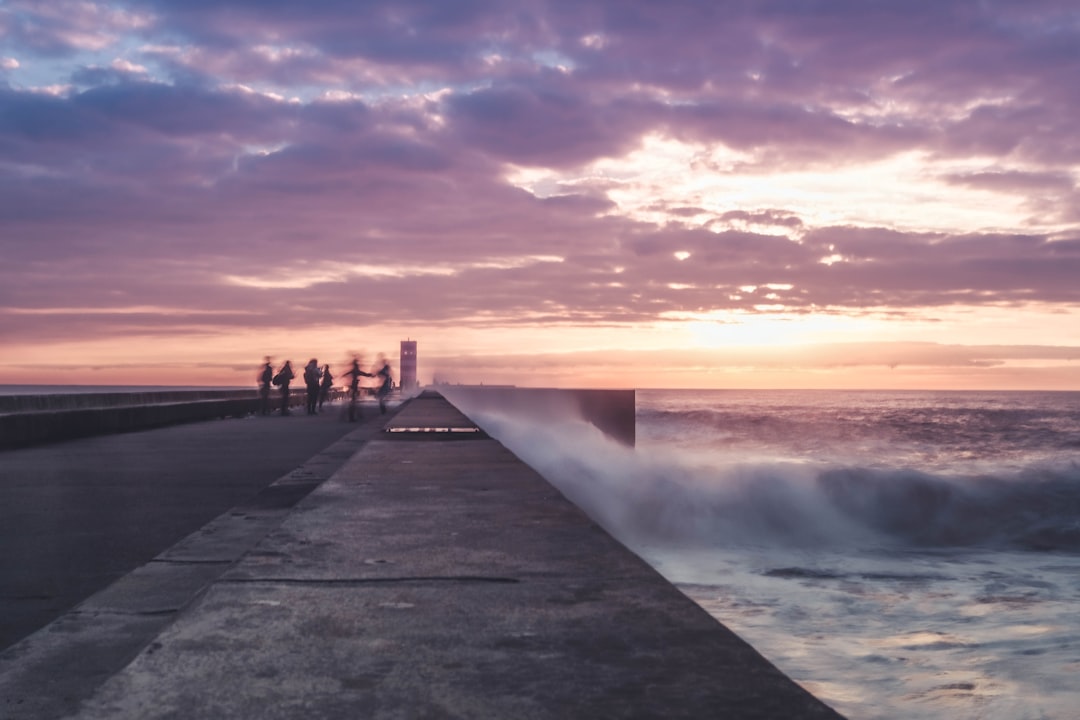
[(736, 350)]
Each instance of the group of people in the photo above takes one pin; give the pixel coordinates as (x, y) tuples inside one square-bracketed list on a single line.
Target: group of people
[(319, 382)]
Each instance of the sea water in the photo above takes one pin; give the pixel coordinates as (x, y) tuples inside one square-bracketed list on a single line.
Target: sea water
[(899, 554)]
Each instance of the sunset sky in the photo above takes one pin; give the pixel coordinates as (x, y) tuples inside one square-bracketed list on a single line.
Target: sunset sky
[(622, 193)]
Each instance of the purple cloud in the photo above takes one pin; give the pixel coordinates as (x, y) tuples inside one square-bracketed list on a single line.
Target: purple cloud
[(254, 164)]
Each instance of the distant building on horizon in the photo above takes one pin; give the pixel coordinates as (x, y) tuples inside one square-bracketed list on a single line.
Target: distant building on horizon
[(408, 366)]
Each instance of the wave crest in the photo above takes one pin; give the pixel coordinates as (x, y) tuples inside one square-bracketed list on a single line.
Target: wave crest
[(645, 496)]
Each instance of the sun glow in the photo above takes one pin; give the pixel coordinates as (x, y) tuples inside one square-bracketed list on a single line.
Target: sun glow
[(907, 191)]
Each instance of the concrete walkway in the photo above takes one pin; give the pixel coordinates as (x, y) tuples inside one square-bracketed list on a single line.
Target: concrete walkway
[(433, 576), (78, 515)]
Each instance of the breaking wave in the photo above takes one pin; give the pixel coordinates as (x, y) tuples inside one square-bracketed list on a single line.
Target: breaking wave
[(705, 499)]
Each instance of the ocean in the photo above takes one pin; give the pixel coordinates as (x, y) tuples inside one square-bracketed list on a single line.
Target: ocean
[(899, 554)]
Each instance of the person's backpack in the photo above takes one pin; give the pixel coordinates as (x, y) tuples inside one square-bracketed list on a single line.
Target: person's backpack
[(277, 379)]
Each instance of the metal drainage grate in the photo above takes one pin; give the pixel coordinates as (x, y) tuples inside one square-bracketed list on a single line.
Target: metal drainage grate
[(434, 430)]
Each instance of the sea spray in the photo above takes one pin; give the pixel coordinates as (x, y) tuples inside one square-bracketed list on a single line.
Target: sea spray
[(657, 495), (900, 554)]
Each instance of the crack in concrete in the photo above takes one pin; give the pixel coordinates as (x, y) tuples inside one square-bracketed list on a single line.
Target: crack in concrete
[(373, 581), (115, 611)]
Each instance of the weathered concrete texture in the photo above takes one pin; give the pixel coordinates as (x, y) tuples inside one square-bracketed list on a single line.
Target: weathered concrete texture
[(48, 674), (445, 579)]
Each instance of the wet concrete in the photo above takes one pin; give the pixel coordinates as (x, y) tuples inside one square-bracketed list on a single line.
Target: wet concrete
[(425, 578)]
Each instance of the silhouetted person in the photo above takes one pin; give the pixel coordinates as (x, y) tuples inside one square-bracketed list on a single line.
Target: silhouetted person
[(354, 374), (265, 378), (326, 386), (311, 380), (282, 380), (386, 384)]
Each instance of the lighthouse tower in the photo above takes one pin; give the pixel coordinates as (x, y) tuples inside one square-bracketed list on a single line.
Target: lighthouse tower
[(408, 366)]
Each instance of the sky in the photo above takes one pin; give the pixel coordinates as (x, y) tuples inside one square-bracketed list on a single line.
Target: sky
[(568, 193)]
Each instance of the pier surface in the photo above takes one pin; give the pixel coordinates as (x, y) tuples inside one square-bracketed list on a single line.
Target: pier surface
[(433, 575), (76, 516)]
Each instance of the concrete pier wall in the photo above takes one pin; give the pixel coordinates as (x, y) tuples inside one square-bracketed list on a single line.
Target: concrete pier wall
[(56, 402), (612, 411), (38, 419), (28, 420)]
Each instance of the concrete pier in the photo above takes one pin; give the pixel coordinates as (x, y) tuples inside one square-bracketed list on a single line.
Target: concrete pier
[(433, 575), (78, 515)]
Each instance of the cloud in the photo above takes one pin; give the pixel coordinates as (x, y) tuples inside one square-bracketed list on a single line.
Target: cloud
[(118, 71), (768, 217), (66, 27), (1015, 181), (549, 124), (214, 166)]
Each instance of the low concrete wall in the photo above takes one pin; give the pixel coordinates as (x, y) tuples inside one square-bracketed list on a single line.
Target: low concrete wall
[(612, 411), (25, 429), (107, 413), (52, 402)]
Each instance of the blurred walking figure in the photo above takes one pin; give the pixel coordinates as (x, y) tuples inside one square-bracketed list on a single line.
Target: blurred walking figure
[(311, 380), (386, 383), (282, 380), (354, 374), (326, 386), (265, 378)]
